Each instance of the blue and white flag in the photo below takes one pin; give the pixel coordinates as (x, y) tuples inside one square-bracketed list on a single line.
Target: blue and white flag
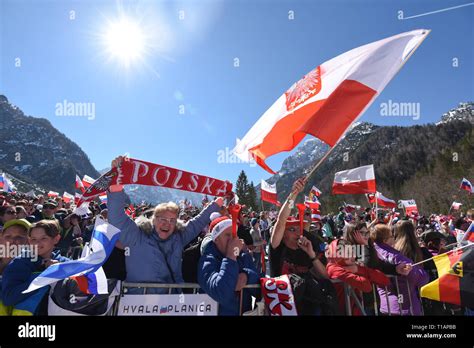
[(102, 243)]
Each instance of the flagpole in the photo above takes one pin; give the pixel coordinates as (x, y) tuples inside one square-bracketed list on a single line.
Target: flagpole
[(316, 166), (419, 263)]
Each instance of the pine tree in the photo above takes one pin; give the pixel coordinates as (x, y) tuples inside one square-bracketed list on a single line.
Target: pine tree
[(252, 197), (241, 188)]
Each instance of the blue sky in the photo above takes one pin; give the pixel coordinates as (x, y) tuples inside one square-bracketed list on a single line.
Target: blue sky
[(190, 61)]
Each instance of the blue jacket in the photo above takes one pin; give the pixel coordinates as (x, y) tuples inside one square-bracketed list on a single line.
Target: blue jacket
[(217, 276), (18, 275), (145, 260)]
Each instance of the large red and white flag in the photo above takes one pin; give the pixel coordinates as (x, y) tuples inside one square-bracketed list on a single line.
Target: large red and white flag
[(409, 206), (269, 193), (79, 184), (326, 101), (355, 181), (87, 181), (381, 200)]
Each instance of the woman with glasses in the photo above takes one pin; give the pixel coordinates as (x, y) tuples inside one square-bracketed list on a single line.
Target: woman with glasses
[(154, 247)]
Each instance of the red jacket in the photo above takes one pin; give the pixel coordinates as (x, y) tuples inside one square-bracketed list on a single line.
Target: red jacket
[(362, 280)]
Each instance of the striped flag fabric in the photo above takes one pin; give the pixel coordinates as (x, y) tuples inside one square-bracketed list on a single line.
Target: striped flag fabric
[(2, 182), (104, 238), (381, 200), (77, 198), (456, 206), (469, 235), (312, 203), (314, 191), (455, 278), (269, 193), (103, 199), (326, 101), (409, 206), (79, 184), (6, 184), (67, 197), (350, 208), (358, 180), (466, 185), (87, 181), (315, 215), (53, 194)]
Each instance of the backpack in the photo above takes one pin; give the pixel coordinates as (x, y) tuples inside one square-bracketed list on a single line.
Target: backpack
[(66, 298), (314, 295)]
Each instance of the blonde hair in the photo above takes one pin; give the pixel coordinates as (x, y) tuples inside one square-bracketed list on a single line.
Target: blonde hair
[(162, 207), (406, 242), (380, 232)]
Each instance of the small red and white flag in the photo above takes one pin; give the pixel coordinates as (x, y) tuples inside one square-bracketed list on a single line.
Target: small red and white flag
[(269, 193), (315, 215), (314, 191), (355, 181), (67, 197), (409, 206), (456, 206), (350, 208), (53, 194), (79, 184), (326, 101), (130, 211), (312, 203), (87, 181), (381, 200), (77, 198)]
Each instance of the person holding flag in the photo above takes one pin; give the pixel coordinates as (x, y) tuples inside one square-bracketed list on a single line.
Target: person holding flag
[(292, 250), (155, 245), (19, 274)]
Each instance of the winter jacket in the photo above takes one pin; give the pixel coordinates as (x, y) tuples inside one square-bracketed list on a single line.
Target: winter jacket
[(416, 278), (18, 276), (361, 280), (217, 276), (150, 258)]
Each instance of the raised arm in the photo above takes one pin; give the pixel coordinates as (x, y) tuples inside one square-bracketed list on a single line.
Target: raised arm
[(279, 228)]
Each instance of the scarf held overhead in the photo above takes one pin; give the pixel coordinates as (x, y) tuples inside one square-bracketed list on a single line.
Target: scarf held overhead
[(139, 172)]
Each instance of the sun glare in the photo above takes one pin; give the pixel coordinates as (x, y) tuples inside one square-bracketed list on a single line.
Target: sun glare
[(125, 41)]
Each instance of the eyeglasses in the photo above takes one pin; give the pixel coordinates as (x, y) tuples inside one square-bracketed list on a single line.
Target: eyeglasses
[(162, 220)]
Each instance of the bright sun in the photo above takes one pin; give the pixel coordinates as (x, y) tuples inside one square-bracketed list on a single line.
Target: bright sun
[(125, 41)]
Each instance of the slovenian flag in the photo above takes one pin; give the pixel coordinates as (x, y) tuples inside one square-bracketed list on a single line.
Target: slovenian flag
[(355, 181), (104, 238), (326, 101), (466, 185), (2, 183), (103, 199)]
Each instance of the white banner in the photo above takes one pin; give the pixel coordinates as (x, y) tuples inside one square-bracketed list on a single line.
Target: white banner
[(153, 305)]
